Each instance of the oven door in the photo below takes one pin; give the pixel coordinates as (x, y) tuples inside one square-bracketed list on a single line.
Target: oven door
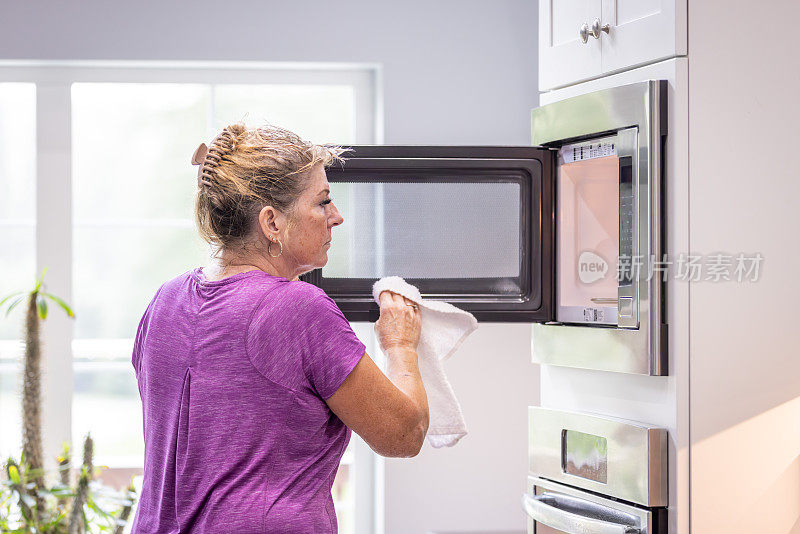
[(472, 226), (556, 508)]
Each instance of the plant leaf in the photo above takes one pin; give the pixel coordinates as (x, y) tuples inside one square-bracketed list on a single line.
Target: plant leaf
[(27, 499), (40, 280), (60, 302), (14, 304), (41, 305), (57, 519), (13, 473), (96, 509), (60, 490), (14, 294)]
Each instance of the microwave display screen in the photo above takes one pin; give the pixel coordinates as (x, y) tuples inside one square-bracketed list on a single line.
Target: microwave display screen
[(585, 455)]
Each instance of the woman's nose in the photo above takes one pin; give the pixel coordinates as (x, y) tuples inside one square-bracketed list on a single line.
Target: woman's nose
[(336, 218)]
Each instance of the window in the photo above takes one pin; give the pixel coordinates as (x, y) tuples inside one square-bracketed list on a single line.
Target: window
[(17, 241), (131, 132)]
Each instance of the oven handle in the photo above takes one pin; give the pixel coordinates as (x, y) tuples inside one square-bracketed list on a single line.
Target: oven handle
[(549, 509)]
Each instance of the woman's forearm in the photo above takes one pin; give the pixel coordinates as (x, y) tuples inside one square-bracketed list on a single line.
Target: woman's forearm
[(403, 370)]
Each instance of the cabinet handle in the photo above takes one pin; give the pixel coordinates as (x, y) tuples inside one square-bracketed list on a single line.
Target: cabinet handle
[(594, 31), (597, 28), (584, 33)]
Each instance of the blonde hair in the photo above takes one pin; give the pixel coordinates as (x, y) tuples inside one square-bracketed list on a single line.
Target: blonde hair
[(246, 169)]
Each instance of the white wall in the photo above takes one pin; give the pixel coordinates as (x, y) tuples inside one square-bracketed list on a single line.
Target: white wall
[(455, 71), (744, 191), (477, 485), (458, 72)]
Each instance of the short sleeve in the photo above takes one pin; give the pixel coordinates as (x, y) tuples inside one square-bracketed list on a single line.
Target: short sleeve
[(300, 339), (141, 332)]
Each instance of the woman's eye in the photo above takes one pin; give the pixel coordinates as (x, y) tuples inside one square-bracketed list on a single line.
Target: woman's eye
[(325, 202)]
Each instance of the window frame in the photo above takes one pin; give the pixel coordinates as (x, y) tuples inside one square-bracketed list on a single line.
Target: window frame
[(54, 218)]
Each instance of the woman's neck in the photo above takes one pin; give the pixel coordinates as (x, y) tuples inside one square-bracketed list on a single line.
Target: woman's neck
[(229, 264)]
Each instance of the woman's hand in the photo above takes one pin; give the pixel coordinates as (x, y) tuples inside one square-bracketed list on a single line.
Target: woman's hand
[(399, 324)]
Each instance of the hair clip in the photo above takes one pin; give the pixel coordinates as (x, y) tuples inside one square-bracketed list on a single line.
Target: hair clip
[(199, 158)]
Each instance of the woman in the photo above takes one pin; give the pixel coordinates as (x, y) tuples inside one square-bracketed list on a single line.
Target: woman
[(251, 380)]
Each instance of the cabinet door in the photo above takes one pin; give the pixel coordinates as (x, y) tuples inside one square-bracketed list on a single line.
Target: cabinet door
[(564, 58), (469, 225), (642, 31)]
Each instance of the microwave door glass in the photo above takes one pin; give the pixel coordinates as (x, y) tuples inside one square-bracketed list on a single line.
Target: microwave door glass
[(588, 242), (429, 231)]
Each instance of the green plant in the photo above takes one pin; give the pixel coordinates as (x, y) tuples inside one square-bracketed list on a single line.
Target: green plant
[(27, 503)]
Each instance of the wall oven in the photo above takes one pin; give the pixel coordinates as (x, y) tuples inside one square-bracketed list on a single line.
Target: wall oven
[(595, 475), (537, 234)]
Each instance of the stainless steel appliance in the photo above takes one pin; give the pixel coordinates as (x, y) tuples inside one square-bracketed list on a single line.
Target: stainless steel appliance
[(595, 475), (624, 164), (530, 234)]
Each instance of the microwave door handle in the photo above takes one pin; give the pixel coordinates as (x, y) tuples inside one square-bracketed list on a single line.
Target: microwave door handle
[(545, 509)]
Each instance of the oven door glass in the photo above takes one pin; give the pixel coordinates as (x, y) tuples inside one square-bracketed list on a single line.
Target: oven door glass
[(469, 225)]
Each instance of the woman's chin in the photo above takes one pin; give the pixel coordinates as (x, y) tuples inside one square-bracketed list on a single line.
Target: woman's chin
[(316, 263), (322, 261)]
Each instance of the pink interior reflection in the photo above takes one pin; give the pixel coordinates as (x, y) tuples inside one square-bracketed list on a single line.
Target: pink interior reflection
[(544, 529), (588, 200)]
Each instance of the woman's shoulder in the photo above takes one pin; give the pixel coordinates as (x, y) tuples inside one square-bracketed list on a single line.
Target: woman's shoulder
[(298, 292), (295, 303)]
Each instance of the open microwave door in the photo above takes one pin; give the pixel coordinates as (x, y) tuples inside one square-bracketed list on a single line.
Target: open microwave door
[(473, 226)]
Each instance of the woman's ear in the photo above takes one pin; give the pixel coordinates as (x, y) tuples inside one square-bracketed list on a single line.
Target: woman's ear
[(272, 222)]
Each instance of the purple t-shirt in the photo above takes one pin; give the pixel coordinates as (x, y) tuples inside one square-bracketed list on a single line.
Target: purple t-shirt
[(233, 376)]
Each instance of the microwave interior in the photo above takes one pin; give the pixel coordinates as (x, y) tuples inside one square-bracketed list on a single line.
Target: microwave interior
[(595, 234)]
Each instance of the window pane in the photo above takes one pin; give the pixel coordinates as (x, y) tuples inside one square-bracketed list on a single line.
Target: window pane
[(343, 495), (133, 193), (17, 244), (10, 409), (117, 270), (131, 148), (18, 151), (317, 113), (17, 267), (107, 404)]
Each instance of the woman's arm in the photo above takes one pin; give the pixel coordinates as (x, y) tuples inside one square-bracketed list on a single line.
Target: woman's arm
[(390, 414)]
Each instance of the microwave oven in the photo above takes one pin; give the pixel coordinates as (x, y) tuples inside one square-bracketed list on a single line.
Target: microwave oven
[(553, 234)]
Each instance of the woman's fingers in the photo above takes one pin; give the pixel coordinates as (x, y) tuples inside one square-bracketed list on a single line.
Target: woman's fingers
[(388, 297), (399, 322), (385, 298), (396, 305)]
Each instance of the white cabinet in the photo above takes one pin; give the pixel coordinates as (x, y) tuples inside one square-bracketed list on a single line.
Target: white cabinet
[(618, 34), (563, 57)]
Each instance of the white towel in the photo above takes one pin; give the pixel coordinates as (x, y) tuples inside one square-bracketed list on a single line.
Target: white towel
[(444, 327)]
